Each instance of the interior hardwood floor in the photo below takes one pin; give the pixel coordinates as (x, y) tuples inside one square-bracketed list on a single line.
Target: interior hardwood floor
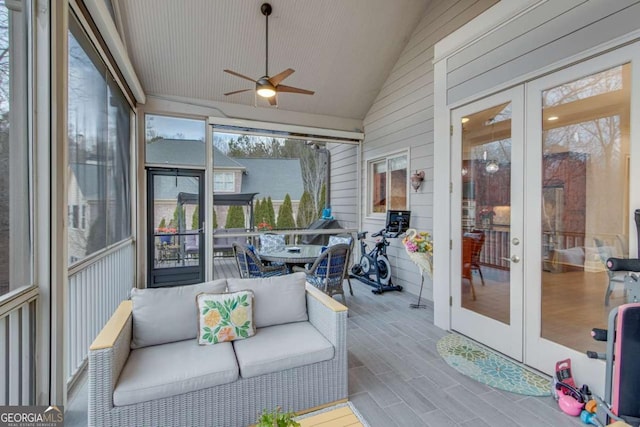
[(572, 304)]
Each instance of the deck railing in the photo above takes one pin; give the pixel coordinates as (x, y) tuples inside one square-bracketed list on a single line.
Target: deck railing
[(17, 347), (96, 288)]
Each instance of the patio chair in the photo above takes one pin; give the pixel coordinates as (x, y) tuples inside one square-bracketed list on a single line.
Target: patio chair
[(467, 250), (328, 272), (476, 248), (249, 265), (348, 239), (605, 252)]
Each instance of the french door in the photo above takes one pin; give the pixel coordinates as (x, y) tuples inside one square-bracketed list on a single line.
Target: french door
[(581, 192), (486, 268), (537, 212)]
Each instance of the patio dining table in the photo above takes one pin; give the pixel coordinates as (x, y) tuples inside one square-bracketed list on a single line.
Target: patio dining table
[(293, 255)]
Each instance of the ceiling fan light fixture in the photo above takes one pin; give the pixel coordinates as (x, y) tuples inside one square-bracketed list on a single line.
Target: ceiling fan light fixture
[(264, 88)]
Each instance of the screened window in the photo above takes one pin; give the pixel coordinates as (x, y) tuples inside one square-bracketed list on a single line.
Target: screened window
[(174, 141), (99, 193), (15, 213), (388, 183), (224, 182)]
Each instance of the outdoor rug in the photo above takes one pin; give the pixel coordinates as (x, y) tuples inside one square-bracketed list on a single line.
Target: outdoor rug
[(490, 368), (335, 415)]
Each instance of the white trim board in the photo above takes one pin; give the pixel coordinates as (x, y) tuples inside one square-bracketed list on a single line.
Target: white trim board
[(319, 134)]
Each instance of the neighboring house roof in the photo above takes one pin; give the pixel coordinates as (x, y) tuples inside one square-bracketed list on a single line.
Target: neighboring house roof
[(166, 188), (221, 160), (176, 151), (272, 177), (87, 179)]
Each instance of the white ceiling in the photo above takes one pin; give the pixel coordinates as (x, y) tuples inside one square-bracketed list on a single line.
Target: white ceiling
[(341, 49)]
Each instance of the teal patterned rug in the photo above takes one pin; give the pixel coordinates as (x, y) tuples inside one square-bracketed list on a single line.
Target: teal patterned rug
[(491, 368)]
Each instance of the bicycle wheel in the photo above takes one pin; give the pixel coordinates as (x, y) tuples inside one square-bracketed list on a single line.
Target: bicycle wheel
[(365, 264), (384, 270)]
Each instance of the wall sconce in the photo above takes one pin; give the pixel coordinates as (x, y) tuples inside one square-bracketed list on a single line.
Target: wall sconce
[(416, 180)]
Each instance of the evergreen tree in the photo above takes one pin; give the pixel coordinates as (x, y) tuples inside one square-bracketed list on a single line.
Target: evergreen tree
[(163, 223), (175, 222), (323, 200), (285, 214), (270, 213), (195, 218), (215, 220), (257, 212), (306, 211), (235, 217)]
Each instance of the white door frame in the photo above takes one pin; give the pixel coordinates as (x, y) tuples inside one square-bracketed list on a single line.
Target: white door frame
[(506, 338), (539, 352)]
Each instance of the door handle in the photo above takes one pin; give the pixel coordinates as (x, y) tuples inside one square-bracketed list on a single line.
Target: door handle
[(514, 258)]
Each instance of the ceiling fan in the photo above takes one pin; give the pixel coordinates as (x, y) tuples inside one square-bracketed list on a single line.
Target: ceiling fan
[(266, 86)]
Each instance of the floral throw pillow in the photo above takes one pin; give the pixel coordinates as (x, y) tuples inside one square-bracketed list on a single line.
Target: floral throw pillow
[(225, 317)]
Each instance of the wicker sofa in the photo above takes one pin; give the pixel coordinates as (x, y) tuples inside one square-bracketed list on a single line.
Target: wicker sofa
[(123, 381)]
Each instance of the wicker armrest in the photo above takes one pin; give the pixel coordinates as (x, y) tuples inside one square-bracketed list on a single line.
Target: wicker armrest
[(327, 315), (113, 328), (107, 356)]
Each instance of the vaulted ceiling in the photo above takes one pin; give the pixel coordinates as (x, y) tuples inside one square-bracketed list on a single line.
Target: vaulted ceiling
[(341, 49)]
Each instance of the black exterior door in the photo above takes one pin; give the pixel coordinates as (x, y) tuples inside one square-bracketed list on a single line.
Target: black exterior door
[(175, 212)]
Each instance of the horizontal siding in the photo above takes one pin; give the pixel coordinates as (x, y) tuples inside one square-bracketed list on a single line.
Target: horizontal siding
[(548, 34), (401, 118), (344, 191)]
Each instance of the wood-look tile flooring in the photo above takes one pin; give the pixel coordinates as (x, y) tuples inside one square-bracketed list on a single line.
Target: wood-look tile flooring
[(397, 378)]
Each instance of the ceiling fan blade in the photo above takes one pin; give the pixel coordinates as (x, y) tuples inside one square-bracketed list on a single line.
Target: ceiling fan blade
[(237, 91), (239, 75), (291, 89), (275, 80), (273, 100)]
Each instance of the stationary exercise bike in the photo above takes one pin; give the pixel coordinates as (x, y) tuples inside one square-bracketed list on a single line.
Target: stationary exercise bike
[(374, 268)]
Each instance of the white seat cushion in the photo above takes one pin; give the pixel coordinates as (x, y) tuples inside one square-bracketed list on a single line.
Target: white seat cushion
[(175, 368), (280, 347)]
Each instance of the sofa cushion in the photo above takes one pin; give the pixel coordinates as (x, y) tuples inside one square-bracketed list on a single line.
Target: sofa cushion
[(281, 347), (277, 300), (174, 368), (162, 315), (272, 242), (225, 317), (338, 240)]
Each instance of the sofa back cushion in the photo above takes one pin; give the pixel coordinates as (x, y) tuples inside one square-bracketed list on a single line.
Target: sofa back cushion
[(277, 300), (162, 315)]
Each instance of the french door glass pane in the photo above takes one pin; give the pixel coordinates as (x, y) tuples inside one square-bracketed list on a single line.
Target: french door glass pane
[(486, 212), (585, 205)]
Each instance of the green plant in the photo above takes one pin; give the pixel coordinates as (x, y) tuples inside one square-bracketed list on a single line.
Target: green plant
[(285, 214), (277, 419), (195, 218), (235, 217)]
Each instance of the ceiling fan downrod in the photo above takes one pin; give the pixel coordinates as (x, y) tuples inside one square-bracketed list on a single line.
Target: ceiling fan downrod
[(266, 11)]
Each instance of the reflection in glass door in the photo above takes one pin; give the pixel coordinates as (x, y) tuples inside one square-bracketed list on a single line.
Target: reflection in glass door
[(583, 199), (175, 211), (488, 296)]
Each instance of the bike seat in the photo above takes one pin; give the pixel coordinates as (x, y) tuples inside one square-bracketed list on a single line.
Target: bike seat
[(362, 235)]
